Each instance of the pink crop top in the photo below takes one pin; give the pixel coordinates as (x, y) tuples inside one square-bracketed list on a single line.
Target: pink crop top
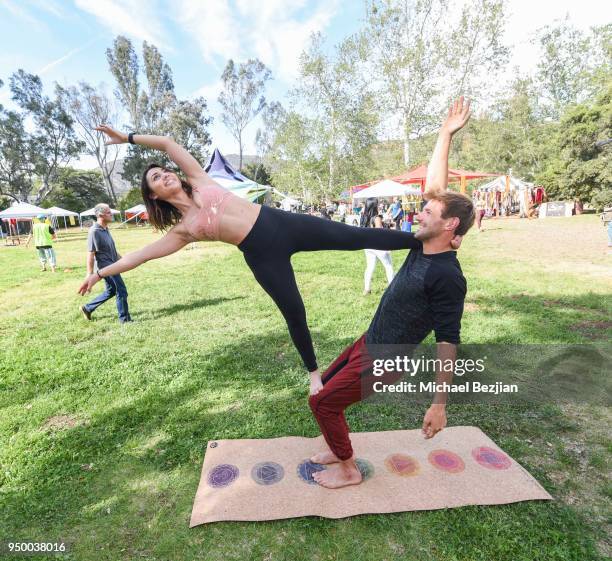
[(206, 224)]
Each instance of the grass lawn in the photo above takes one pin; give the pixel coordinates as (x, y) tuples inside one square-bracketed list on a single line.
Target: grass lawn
[(103, 427)]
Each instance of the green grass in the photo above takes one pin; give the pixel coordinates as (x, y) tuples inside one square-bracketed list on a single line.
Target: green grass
[(103, 427)]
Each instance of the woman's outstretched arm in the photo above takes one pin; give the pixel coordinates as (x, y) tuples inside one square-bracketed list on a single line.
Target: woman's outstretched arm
[(170, 243), (181, 157)]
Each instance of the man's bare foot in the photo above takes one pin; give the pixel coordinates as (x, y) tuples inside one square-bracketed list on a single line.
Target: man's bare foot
[(325, 458), (342, 475)]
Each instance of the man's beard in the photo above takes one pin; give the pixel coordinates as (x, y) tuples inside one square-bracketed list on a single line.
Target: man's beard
[(422, 234)]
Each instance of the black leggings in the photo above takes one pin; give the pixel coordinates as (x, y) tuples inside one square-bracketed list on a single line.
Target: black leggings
[(277, 235)]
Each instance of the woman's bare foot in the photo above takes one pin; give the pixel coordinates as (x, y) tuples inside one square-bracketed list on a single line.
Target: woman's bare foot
[(325, 458), (341, 475)]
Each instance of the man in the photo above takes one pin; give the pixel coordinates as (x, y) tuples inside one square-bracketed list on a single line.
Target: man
[(426, 294), (102, 252), (43, 236)]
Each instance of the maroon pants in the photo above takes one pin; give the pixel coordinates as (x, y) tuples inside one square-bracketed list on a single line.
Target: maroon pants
[(348, 380)]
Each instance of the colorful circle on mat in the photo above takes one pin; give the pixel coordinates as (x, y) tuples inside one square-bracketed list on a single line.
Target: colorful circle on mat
[(222, 475), (401, 464), (490, 458), (306, 469), (267, 473), (365, 468), (446, 460)]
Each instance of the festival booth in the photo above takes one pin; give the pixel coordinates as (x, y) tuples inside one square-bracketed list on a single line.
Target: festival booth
[(57, 212), (418, 176), (387, 189), (137, 213), (92, 212), (14, 217), (507, 195), (223, 173)]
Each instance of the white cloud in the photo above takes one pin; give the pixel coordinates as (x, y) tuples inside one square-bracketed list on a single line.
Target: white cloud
[(275, 31), (213, 26), (21, 12), (135, 18), (65, 57)]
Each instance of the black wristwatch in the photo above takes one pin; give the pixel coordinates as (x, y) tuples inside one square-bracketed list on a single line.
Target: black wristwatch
[(131, 138)]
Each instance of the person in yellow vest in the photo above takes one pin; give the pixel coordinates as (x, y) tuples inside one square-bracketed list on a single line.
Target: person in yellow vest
[(43, 236)]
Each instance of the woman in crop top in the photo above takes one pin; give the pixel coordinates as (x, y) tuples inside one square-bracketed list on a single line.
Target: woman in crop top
[(200, 209)]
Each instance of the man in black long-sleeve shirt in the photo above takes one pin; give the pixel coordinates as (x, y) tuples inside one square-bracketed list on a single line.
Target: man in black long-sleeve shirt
[(427, 294)]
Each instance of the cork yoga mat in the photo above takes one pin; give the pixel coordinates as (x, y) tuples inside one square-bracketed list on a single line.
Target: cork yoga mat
[(272, 479)]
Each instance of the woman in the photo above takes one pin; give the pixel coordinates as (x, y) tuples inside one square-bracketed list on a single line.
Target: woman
[(373, 220), (200, 209)]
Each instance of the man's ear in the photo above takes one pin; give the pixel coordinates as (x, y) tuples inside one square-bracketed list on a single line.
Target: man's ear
[(452, 223)]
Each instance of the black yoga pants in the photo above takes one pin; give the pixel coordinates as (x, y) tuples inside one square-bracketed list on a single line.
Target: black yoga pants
[(277, 235)]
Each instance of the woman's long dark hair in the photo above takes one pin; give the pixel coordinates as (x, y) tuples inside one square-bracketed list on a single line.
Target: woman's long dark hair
[(369, 212), (162, 214)]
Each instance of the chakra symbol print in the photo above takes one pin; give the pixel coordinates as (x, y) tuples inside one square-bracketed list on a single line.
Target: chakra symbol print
[(267, 473), (306, 469), (402, 465), (490, 458), (446, 460), (365, 468), (222, 475)]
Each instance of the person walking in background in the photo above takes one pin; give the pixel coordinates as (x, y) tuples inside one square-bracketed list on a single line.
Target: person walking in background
[(480, 212), (101, 253), (43, 236), (397, 213), (371, 219), (372, 255)]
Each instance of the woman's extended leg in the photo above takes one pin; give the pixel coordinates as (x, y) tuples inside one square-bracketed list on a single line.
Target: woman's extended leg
[(309, 233), (275, 275)]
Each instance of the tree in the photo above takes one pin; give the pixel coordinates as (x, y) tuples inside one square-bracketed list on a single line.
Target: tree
[(156, 109), (584, 169), (53, 143), (420, 59), (15, 155), (242, 97), (258, 172), (564, 69), (132, 198), (293, 164), (77, 189), (89, 108), (342, 111), (475, 51)]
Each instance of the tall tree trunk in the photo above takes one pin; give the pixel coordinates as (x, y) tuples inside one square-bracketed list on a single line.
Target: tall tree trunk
[(406, 141), (240, 150)]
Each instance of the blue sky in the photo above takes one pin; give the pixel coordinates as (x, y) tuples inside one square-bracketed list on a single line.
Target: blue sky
[(65, 41)]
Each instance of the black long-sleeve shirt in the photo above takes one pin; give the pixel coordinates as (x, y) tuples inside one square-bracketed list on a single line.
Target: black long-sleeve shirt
[(427, 294)]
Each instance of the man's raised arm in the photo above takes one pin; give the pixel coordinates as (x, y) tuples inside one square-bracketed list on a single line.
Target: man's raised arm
[(437, 170)]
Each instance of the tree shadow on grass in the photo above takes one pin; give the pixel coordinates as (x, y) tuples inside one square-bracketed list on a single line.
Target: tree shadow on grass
[(241, 390), (544, 317), (192, 305)]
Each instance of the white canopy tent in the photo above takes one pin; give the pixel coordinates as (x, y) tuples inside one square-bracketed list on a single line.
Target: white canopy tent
[(57, 212), (499, 184), (136, 212), (138, 209), (387, 188), (23, 210), (92, 212), (20, 211)]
